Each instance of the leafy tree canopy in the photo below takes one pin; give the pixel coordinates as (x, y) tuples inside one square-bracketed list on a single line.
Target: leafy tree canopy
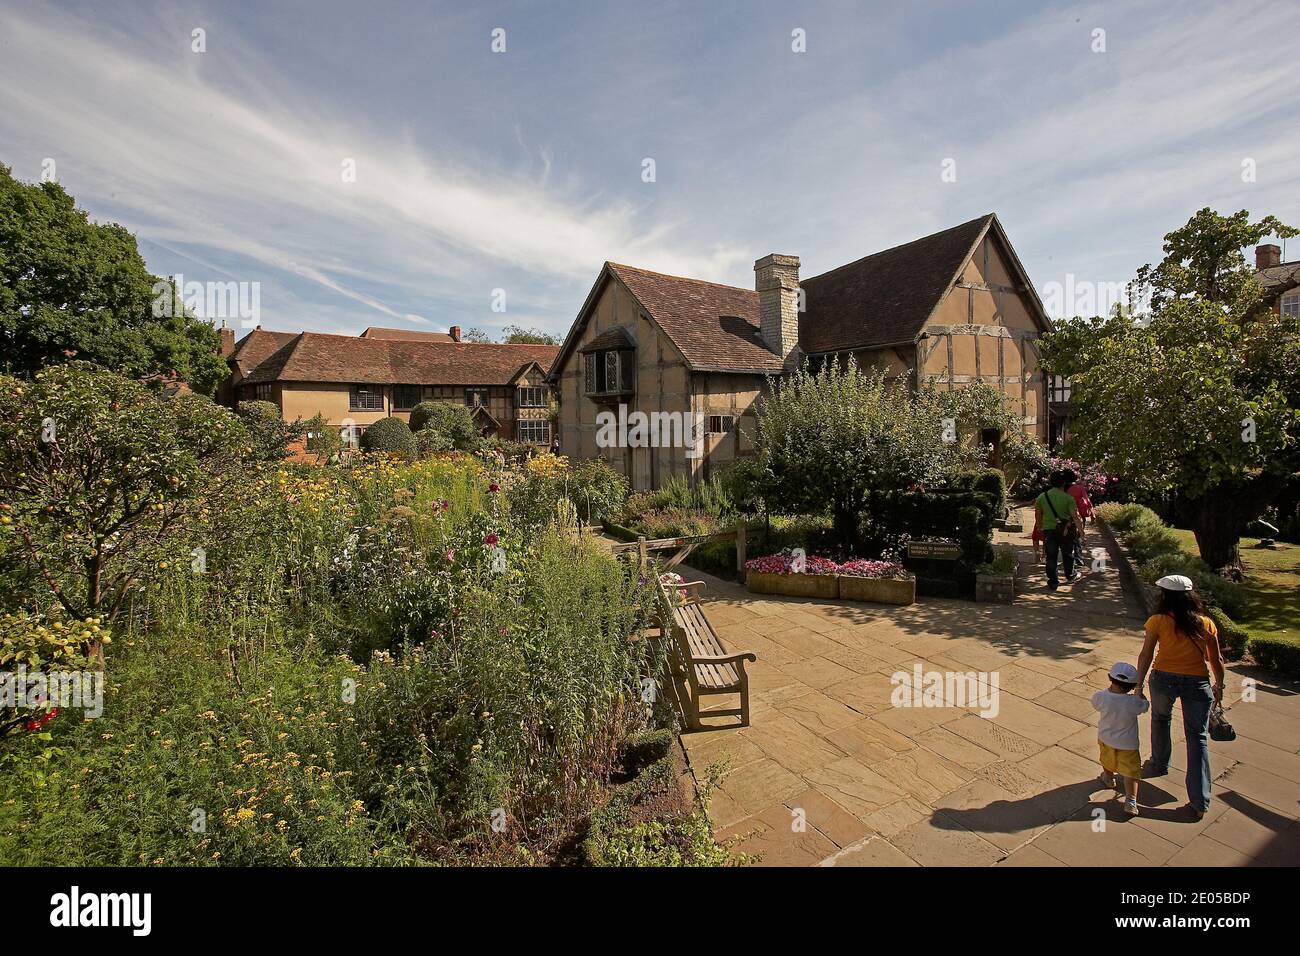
[(1198, 399), (74, 289), (830, 437), (102, 480), (518, 335)]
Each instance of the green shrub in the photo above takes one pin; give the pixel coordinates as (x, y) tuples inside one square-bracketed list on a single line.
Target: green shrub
[(1277, 654), (1148, 537), (597, 489), (1120, 517), (1004, 562), (390, 435), (269, 434), (1232, 637), (430, 441), (451, 420), (1213, 588), (322, 437)]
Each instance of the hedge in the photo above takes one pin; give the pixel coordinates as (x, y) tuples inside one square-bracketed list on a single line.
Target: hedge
[(1142, 532), (1276, 654)]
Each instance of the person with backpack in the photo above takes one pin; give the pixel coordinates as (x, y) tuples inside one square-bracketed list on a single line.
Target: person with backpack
[(1182, 652), (1057, 514), (1077, 490)]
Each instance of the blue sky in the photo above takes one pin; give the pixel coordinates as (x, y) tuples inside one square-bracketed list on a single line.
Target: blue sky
[(522, 170)]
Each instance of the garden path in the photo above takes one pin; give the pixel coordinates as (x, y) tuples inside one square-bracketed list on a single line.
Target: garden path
[(831, 773)]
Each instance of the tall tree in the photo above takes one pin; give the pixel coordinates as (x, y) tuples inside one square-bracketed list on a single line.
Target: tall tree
[(1197, 398), (71, 288)]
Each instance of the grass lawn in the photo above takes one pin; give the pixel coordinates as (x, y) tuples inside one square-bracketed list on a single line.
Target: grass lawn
[(1272, 583)]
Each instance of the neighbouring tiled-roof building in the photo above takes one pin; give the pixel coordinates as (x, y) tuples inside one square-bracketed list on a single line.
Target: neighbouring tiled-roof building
[(951, 308), (1281, 280), (356, 380)]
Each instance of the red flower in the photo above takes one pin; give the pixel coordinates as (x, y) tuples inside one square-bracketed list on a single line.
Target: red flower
[(36, 723), (494, 487), (491, 539)]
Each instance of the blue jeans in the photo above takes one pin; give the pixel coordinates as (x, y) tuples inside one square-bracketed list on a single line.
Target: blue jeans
[(1052, 545), (1197, 699)]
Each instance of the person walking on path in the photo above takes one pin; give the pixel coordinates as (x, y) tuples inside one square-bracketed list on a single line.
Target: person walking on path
[(1058, 515), (1077, 490), (1182, 653), (1117, 732)]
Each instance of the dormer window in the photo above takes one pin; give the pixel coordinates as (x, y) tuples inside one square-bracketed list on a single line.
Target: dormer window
[(610, 372)]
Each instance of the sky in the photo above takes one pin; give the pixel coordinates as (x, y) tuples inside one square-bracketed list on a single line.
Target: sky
[(382, 163)]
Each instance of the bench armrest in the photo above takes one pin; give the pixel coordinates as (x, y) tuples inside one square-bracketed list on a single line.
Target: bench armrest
[(692, 588), (736, 658)]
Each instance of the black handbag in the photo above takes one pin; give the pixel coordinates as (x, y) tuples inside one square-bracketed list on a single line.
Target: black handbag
[(1220, 729)]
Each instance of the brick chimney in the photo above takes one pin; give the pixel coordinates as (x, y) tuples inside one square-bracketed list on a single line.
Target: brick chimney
[(776, 280), (454, 332), (227, 340), (1267, 256)]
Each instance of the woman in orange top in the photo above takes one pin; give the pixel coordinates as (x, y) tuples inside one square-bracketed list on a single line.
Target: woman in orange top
[(1183, 645)]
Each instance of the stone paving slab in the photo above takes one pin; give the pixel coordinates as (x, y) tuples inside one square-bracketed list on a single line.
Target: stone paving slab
[(831, 772)]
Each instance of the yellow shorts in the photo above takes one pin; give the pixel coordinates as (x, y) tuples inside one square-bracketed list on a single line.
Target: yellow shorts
[(1126, 763)]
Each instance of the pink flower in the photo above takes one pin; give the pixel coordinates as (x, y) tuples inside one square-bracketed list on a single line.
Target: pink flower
[(451, 554)]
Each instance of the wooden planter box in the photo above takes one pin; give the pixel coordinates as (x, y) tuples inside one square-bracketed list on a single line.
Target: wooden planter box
[(997, 588), (878, 590), (793, 585)]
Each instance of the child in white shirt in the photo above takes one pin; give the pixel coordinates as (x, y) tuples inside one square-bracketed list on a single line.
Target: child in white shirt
[(1117, 732)]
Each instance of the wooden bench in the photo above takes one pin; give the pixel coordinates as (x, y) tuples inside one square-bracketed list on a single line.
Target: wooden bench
[(702, 659)]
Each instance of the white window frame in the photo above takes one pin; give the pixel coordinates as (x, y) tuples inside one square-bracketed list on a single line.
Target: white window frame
[(1290, 304)]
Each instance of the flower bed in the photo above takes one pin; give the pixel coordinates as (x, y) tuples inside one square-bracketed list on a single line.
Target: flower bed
[(884, 582)]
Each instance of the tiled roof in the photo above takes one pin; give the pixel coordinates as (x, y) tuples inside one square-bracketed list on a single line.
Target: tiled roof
[(318, 357), (613, 339), (1279, 279), (256, 347), (885, 298), (714, 326), (408, 335)]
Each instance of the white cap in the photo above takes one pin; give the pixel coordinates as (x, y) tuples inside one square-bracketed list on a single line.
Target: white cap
[(1124, 673), (1175, 582)]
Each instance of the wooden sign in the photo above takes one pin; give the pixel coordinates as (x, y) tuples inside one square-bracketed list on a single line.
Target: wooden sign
[(934, 550)]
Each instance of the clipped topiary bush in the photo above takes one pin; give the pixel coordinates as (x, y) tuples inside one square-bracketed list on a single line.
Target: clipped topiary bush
[(390, 435)]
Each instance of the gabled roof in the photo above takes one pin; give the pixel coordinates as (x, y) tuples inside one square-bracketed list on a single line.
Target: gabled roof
[(715, 327), (319, 357), (256, 347), (1280, 278), (409, 335), (886, 298), (881, 300), (613, 339)]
